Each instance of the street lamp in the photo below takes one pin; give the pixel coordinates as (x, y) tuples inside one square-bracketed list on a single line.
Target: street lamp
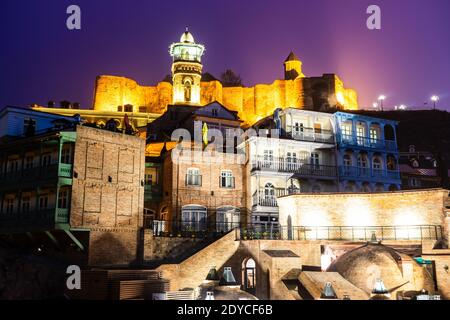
[(381, 98), (375, 105), (435, 99)]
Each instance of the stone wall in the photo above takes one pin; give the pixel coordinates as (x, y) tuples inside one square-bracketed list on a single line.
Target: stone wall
[(402, 208), (191, 272), (251, 103)]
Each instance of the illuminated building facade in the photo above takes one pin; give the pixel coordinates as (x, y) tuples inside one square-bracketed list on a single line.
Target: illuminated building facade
[(317, 152)]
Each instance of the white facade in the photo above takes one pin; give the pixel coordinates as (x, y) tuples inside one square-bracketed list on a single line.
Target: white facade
[(301, 160)]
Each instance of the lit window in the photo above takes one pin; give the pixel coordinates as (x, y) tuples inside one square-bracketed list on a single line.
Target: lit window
[(346, 130), (373, 135)]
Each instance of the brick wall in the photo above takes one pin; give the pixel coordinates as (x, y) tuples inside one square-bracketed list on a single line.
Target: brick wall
[(108, 193)]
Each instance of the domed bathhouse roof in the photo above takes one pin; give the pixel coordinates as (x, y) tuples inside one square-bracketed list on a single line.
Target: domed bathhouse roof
[(381, 271), (187, 37), (225, 289)]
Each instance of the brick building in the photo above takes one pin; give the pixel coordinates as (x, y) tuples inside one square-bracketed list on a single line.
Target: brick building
[(79, 189)]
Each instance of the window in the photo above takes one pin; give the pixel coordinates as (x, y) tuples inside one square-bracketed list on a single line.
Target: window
[(298, 128), (360, 134), (412, 148), (9, 205), (269, 190), (227, 218), (346, 130), (317, 128), (29, 126), (46, 159), (215, 112), (291, 160), (13, 165), (268, 158), (362, 161), (193, 218), (315, 160), (128, 108), (63, 196), (119, 109), (193, 177), (376, 164), (347, 160), (373, 135), (26, 204), (142, 109), (66, 155), (29, 162), (43, 202), (316, 189), (226, 179), (414, 182)]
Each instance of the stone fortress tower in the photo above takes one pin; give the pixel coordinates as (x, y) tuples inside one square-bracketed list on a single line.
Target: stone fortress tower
[(186, 69)]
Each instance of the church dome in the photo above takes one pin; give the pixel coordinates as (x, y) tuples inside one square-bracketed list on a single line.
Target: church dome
[(366, 265), (187, 37)]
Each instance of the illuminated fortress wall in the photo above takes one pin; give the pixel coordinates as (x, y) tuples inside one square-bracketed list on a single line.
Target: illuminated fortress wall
[(402, 208), (252, 103)]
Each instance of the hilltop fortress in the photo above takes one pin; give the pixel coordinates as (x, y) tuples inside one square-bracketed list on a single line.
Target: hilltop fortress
[(115, 96), (190, 86)]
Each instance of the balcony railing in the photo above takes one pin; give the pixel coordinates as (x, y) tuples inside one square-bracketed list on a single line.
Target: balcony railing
[(367, 142), (283, 165), (34, 219), (268, 198), (276, 232), (368, 173), (37, 174), (310, 134)]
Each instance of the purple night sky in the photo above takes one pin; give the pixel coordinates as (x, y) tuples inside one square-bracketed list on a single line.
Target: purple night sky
[(408, 60)]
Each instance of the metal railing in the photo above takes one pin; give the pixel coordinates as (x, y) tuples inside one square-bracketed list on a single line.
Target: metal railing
[(268, 198), (425, 232), (277, 164), (273, 231), (38, 173), (189, 229), (364, 172), (367, 142), (310, 134)]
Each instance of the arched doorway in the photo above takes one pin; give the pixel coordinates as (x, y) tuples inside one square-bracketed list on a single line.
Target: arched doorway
[(249, 275)]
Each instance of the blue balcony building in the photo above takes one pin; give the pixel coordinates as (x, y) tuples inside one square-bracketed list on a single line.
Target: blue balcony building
[(367, 154)]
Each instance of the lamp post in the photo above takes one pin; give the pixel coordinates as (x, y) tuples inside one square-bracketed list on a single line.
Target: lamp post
[(435, 99), (381, 98)]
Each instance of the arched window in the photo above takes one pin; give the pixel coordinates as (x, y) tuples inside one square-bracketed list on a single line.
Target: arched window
[(347, 160), (269, 190), (227, 218), (365, 187), (376, 163), (391, 163), (350, 187), (187, 83), (379, 187), (393, 187), (362, 165), (389, 132), (193, 218)]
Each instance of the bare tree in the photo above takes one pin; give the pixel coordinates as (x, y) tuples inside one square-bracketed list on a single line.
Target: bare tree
[(230, 79)]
